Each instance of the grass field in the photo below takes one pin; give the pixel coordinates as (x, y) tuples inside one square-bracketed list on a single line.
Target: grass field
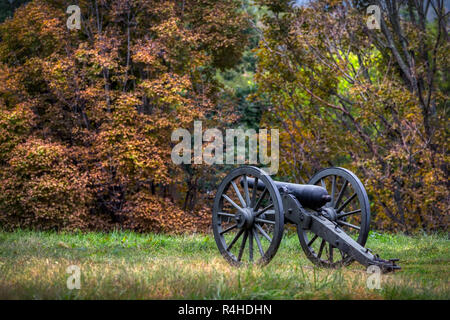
[(126, 265)]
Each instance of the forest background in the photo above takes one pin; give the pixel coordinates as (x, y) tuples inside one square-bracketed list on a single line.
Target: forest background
[(86, 115)]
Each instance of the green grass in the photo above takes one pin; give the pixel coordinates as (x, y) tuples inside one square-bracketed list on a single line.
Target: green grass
[(126, 265)]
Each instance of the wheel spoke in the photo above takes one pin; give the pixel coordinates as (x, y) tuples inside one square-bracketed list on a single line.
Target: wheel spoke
[(226, 214), (238, 193), (255, 188), (346, 202), (333, 190), (341, 193), (235, 239), (348, 225), (241, 250), (264, 221), (232, 203), (322, 245), (263, 232), (263, 194), (258, 242), (247, 194), (264, 210), (312, 240), (228, 229), (322, 182), (250, 245), (331, 252), (348, 213)]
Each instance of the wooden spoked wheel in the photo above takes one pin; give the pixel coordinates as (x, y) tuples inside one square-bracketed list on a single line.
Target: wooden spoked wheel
[(349, 208), (248, 221)]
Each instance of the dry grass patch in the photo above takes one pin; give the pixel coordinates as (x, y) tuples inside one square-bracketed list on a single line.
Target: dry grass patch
[(124, 265)]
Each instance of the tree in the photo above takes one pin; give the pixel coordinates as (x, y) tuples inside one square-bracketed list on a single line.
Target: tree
[(109, 96), (373, 100)]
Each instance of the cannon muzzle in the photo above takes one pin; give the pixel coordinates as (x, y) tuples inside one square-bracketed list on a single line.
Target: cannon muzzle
[(309, 196)]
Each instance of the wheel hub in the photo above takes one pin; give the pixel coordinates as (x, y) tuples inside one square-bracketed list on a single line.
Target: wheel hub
[(329, 213), (245, 218)]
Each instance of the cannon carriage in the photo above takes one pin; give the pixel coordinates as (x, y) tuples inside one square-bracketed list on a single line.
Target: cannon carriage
[(331, 214)]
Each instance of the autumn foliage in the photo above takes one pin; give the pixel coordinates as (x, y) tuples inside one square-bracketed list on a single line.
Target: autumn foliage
[(374, 101), (86, 115)]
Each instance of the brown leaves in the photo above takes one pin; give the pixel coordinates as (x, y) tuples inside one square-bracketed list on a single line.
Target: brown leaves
[(145, 212), (86, 116), (42, 189)]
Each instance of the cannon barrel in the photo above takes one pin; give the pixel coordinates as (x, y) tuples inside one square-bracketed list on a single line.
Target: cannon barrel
[(309, 196)]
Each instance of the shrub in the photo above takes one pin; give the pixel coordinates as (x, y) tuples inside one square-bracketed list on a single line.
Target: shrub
[(146, 212), (40, 188)]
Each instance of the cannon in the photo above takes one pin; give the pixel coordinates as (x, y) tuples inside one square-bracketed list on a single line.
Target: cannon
[(331, 214)]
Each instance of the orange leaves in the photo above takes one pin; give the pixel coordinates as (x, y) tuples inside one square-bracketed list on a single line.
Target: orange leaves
[(15, 125), (11, 85), (146, 212), (16, 116), (169, 89), (148, 52), (101, 54), (37, 29), (42, 189), (101, 103)]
